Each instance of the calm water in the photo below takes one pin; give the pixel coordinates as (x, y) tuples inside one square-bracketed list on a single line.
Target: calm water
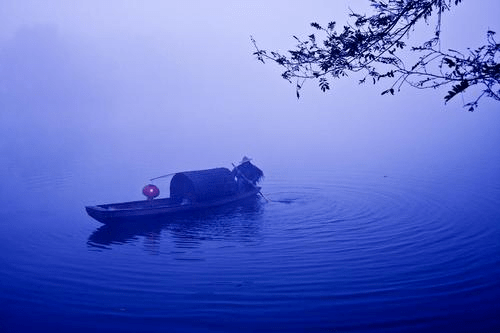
[(334, 251)]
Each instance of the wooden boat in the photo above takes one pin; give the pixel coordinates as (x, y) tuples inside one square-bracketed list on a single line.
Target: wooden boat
[(189, 191)]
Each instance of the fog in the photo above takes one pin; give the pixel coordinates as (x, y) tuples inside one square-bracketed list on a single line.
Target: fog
[(121, 91)]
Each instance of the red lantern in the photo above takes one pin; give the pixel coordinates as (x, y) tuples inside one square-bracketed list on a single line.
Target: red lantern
[(151, 191)]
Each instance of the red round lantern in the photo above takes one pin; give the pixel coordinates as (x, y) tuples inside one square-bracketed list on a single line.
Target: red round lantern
[(151, 191)]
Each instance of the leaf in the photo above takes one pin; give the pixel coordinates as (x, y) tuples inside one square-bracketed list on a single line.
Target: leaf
[(449, 62), (323, 84), (316, 25), (458, 88), (391, 90)]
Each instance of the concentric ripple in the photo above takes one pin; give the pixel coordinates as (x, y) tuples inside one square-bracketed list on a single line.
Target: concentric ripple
[(338, 252)]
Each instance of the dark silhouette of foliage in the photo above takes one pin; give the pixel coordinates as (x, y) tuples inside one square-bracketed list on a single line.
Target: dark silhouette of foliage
[(374, 46)]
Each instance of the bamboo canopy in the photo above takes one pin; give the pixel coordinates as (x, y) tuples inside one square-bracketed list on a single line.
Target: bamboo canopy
[(202, 185)]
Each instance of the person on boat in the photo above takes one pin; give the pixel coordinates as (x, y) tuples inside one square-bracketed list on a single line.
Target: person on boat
[(247, 175)]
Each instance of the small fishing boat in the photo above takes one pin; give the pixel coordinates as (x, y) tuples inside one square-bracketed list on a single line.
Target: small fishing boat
[(189, 191)]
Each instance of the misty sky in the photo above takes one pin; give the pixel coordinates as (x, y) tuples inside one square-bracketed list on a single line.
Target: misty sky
[(169, 86)]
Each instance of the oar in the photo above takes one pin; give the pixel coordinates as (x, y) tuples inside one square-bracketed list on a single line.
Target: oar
[(268, 200)]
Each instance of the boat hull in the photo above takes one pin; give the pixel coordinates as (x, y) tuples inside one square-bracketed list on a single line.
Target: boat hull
[(140, 210)]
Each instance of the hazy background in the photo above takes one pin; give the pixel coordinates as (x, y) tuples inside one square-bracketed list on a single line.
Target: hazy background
[(386, 207), (116, 92)]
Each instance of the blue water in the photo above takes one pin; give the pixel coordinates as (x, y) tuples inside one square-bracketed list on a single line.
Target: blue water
[(335, 250)]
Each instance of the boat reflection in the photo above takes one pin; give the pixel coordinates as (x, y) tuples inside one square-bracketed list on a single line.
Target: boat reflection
[(237, 222)]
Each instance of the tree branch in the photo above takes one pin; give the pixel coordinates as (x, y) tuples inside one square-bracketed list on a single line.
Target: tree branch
[(374, 45)]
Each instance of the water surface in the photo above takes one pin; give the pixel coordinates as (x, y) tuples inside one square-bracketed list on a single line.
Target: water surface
[(334, 250)]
